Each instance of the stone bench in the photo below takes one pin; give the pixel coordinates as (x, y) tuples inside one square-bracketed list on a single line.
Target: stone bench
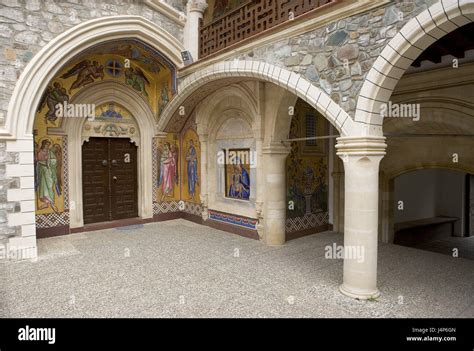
[(410, 233)]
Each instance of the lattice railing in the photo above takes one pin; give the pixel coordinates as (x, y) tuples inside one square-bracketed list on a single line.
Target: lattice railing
[(250, 19)]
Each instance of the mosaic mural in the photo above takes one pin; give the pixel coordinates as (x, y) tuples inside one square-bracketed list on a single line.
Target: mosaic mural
[(237, 174), (191, 155), (307, 170), (168, 168), (127, 62), (49, 170), (111, 120)]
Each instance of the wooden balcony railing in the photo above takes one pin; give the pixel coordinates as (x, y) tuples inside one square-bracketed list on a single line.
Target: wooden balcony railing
[(250, 19)]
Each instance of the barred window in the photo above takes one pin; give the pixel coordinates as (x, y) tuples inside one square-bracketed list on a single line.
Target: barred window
[(310, 127)]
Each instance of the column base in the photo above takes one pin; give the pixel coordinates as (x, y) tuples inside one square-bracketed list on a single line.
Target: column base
[(19, 248), (360, 295)]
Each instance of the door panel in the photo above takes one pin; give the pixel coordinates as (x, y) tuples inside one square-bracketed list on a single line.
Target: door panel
[(109, 176), (470, 232), (124, 179), (95, 192)]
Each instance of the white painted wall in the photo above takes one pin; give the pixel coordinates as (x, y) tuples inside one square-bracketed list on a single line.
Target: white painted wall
[(417, 190), (429, 193), (450, 197)]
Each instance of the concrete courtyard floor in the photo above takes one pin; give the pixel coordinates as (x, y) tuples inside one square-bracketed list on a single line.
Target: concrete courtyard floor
[(181, 269)]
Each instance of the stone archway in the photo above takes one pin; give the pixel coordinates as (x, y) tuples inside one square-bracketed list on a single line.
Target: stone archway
[(418, 34), (261, 71), (31, 85), (98, 94)]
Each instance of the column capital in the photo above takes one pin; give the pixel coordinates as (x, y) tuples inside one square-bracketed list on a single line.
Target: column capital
[(161, 135), (276, 149), (197, 5), (361, 146)]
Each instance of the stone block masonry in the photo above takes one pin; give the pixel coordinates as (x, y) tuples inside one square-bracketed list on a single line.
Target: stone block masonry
[(338, 56)]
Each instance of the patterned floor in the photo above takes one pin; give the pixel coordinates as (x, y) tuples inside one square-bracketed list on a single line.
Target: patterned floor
[(181, 269)]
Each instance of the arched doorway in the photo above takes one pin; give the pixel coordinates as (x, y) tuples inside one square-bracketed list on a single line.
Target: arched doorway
[(34, 81), (94, 136)]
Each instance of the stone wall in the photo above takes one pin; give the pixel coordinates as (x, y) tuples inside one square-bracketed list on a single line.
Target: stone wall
[(338, 56), (179, 5), (28, 25)]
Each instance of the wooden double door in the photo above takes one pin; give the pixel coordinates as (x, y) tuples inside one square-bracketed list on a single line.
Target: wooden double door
[(109, 179)]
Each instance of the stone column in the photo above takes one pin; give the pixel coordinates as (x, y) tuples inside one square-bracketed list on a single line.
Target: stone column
[(361, 157), (274, 165), (260, 199), (338, 202), (195, 11)]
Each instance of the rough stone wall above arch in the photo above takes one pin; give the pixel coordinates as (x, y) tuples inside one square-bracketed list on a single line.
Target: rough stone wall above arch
[(319, 55)]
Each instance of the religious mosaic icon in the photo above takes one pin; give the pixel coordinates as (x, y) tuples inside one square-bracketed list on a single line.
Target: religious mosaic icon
[(137, 80), (54, 95), (168, 169), (192, 169), (237, 174), (86, 72), (48, 184), (111, 112), (164, 99)]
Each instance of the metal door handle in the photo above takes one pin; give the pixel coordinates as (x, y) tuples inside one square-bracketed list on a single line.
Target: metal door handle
[(114, 178), (104, 163)]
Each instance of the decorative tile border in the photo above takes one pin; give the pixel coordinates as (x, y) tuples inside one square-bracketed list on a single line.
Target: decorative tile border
[(155, 170), (193, 208), (65, 173), (245, 222), (52, 220), (312, 220), (165, 207)]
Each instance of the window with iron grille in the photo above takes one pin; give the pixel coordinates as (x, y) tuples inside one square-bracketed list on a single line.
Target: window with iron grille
[(310, 128)]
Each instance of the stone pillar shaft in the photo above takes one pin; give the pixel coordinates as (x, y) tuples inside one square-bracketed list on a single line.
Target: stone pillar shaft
[(274, 158), (361, 157)]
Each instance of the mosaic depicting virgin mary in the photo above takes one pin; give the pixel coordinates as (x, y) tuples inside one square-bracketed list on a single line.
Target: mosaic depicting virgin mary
[(240, 182)]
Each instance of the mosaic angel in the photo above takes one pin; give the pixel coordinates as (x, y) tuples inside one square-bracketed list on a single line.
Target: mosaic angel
[(86, 72), (48, 160), (137, 79), (54, 95)]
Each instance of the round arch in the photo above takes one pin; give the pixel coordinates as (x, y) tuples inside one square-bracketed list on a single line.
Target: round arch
[(418, 34), (18, 127), (234, 101), (232, 97), (256, 70), (48, 61)]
